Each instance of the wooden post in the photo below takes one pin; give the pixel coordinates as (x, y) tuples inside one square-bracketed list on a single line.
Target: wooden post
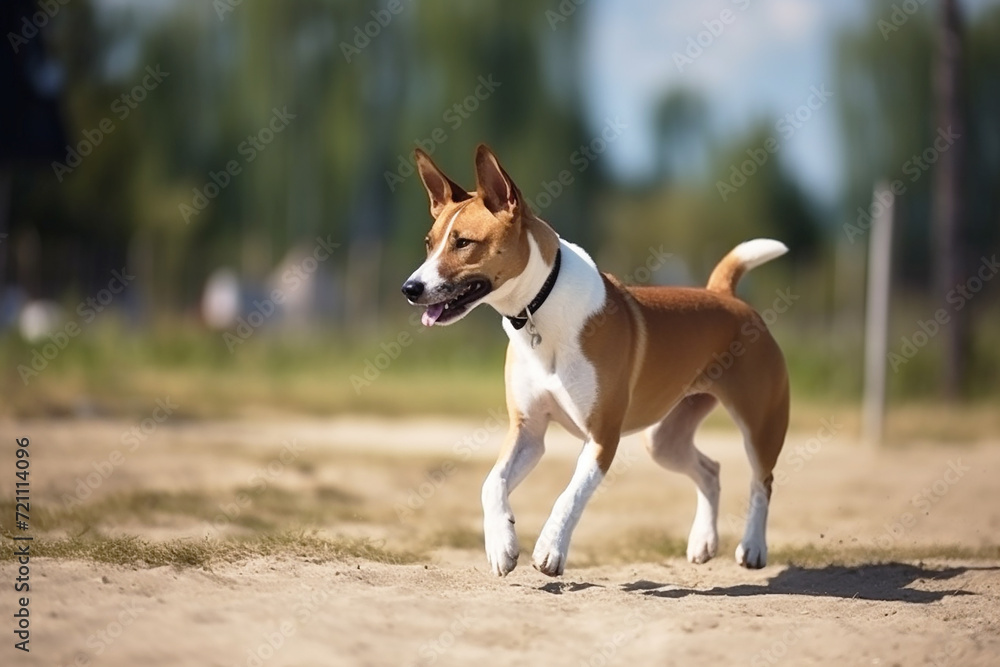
[(947, 205), (877, 314)]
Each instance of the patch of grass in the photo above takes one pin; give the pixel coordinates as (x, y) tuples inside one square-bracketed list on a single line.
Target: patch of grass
[(458, 538), (651, 547), (267, 509), (110, 370), (137, 552), (637, 547), (812, 555)]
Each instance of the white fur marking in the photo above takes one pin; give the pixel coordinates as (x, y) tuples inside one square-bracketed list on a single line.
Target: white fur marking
[(556, 370), (428, 272), (498, 517), (552, 547), (752, 550), (703, 540), (758, 251)]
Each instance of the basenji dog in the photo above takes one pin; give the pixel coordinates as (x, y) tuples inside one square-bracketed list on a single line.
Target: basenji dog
[(602, 359)]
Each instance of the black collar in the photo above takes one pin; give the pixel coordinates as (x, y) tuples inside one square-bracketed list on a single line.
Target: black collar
[(519, 320)]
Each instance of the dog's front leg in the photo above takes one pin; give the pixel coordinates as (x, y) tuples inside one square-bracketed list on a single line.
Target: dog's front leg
[(521, 451), (552, 547)]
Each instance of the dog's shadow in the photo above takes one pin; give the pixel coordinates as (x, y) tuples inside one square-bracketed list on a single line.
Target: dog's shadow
[(888, 582)]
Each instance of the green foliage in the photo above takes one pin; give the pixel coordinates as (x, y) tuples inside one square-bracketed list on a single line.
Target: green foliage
[(340, 168)]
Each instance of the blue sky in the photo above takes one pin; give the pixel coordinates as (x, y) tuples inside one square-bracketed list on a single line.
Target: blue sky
[(760, 67)]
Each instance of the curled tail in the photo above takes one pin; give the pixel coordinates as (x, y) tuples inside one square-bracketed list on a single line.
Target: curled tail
[(742, 258)]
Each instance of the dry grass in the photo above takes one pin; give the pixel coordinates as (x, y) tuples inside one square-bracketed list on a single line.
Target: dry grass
[(132, 551), (272, 508)]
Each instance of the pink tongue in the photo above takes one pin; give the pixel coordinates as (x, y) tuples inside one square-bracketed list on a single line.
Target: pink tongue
[(432, 314)]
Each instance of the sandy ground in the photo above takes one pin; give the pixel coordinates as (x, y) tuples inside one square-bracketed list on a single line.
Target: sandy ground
[(916, 525)]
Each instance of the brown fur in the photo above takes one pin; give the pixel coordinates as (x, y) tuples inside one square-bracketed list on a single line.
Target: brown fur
[(697, 341), (663, 356), (680, 338)]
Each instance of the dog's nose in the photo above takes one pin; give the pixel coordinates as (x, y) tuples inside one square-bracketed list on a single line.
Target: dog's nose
[(413, 289)]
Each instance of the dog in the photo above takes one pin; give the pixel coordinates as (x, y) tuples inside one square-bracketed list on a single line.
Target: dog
[(602, 359)]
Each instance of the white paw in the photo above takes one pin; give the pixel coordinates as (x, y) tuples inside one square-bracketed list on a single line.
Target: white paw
[(703, 544), (501, 544), (548, 558), (752, 553)]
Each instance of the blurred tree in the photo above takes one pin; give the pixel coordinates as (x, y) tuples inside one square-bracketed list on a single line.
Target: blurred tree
[(898, 100), (948, 216), (682, 135), (362, 87)]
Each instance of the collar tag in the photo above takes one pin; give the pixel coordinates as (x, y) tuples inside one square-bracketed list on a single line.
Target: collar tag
[(536, 337)]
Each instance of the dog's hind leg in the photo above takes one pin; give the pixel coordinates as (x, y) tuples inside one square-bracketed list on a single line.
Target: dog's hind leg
[(671, 444), (762, 415)]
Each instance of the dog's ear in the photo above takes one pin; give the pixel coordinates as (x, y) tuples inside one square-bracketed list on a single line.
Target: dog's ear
[(441, 190), (494, 185)]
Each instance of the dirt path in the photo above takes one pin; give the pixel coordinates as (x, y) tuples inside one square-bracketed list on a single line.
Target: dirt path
[(415, 485), (287, 612)]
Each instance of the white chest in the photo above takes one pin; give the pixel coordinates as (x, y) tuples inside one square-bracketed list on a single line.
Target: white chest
[(556, 373), (566, 380)]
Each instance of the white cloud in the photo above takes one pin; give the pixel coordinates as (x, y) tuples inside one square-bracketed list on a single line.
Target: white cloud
[(794, 21)]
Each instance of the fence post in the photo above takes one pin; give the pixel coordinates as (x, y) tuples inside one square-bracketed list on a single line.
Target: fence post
[(877, 314)]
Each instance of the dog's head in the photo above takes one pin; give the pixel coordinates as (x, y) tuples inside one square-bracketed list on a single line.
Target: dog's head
[(476, 244)]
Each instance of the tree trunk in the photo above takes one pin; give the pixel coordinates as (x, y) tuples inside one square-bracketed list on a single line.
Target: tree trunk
[(949, 252)]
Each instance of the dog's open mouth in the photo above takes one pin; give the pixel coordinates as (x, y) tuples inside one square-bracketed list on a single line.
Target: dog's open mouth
[(467, 293)]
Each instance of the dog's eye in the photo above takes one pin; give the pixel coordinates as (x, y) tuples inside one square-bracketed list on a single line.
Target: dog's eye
[(463, 243), (427, 242)]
